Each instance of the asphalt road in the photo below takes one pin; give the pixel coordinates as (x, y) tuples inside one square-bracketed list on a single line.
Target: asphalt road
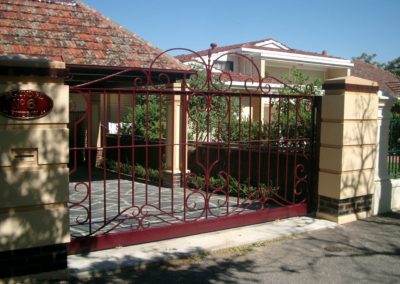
[(365, 251)]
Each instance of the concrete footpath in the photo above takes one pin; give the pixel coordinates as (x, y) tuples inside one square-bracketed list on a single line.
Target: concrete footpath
[(140, 256), (299, 250), (296, 250)]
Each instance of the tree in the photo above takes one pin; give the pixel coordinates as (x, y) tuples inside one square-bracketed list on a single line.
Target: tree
[(369, 58), (393, 66)]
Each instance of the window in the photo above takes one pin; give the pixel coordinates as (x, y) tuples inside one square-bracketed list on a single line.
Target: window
[(224, 65)]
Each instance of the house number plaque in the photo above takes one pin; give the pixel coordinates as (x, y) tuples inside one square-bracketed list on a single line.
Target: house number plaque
[(24, 104)]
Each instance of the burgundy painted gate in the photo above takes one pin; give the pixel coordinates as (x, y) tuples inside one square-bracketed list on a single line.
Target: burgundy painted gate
[(156, 154)]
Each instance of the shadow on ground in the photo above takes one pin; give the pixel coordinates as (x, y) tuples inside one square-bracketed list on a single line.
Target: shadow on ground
[(365, 251)]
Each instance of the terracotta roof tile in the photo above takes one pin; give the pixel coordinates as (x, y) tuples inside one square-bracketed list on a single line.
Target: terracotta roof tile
[(77, 34), (386, 80)]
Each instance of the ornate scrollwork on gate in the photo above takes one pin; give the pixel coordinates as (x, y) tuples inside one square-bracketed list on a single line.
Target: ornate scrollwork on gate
[(247, 148)]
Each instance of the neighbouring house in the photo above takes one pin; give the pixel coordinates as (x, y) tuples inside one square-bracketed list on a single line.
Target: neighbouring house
[(268, 58), (389, 83)]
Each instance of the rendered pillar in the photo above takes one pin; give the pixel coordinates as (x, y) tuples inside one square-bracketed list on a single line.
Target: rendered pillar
[(348, 149), (175, 163), (34, 220), (383, 186)]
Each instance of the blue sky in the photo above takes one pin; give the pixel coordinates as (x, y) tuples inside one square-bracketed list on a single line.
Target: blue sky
[(344, 28)]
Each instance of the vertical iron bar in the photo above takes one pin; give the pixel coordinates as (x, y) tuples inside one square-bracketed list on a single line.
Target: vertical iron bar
[(287, 147), (119, 152), (229, 153), (173, 151), (315, 141), (250, 147), (133, 102), (278, 154), (239, 143), (105, 157), (296, 146), (260, 124), (88, 150), (269, 139), (146, 147), (160, 134)]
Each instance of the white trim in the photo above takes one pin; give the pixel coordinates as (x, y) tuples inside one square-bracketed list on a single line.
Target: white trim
[(254, 85), (295, 57), (267, 43)]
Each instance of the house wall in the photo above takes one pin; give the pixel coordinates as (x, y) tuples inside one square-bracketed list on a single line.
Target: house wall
[(276, 72), (117, 104)]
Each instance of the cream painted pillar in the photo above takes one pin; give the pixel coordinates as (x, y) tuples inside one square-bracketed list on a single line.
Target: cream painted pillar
[(348, 149), (175, 166), (258, 109), (383, 186), (34, 220)]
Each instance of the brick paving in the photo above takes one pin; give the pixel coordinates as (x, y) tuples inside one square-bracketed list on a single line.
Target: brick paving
[(112, 209)]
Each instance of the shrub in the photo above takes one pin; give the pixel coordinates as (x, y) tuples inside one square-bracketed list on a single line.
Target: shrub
[(140, 171), (154, 174)]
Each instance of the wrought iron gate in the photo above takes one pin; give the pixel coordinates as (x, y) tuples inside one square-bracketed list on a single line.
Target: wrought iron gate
[(175, 153)]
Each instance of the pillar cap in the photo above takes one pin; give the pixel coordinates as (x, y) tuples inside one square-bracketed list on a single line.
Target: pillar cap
[(20, 65), (352, 84), (351, 80), (28, 61)]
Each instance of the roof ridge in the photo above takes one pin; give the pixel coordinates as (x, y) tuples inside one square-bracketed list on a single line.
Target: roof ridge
[(229, 46)]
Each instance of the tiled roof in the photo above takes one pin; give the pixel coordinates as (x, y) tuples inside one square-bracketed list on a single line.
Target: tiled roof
[(253, 45), (75, 34), (386, 80)]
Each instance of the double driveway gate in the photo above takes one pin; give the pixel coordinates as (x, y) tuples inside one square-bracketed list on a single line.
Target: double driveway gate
[(156, 154)]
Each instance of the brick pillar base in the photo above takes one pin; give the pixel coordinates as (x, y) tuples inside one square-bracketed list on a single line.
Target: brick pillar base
[(341, 207), (170, 180), (33, 260)]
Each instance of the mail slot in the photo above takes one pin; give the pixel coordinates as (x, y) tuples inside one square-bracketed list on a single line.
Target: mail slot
[(26, 157)]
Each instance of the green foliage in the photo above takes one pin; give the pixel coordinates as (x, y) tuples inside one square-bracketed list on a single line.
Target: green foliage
[(292, 117), (243, 130), (139, 171), (208, 111), (369, 58), (396, 109), (154, 175), (147, 114), (393, 66), (243, 190)]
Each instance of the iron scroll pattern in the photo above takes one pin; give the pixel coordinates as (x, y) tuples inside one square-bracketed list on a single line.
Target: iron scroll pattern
[(240, 159)]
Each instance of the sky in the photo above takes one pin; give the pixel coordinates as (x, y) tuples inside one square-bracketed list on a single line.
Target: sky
[(345, 28)]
